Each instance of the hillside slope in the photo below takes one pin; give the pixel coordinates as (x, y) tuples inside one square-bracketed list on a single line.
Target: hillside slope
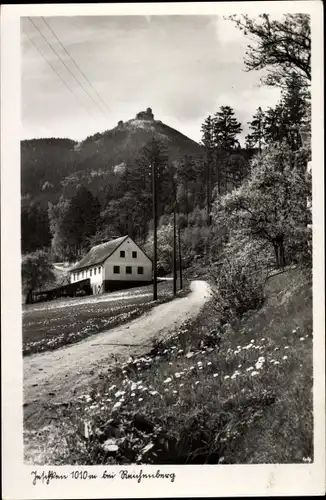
[(50, 166), (247, 399)]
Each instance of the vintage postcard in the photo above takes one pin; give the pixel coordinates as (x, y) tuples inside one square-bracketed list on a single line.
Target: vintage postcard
[(162, 250)]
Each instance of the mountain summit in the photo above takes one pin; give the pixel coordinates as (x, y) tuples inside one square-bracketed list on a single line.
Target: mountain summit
[(126, 141), (49, 166)]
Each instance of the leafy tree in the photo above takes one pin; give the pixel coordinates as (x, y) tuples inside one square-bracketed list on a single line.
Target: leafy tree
[(81, 219), (60, 243), (281, 46), (35, 229), (36, 271), (271, 204), (189, 183)]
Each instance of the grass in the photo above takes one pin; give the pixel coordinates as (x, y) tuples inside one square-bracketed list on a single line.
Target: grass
[(242, 394), (50, 325)]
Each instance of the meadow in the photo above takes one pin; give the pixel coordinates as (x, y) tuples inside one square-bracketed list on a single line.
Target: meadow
[(242, 394), (50, 325)]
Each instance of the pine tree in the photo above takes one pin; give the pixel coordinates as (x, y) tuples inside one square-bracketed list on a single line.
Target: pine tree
[(226, 128), (283, 122), (208, 143), (249, 141), (256, 127)]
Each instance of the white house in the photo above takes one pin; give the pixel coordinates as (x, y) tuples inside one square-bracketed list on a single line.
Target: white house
[(116, 264)]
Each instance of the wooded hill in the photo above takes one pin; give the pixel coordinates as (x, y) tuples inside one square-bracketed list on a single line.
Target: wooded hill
[(51, 167)]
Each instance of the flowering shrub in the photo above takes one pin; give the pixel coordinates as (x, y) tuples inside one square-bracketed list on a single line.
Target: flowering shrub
[(240, 279)]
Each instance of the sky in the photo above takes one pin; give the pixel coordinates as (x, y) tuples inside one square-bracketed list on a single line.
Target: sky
[(183, 67)]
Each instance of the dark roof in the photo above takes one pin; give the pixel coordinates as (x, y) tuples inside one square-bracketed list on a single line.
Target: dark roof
[(99, 253)]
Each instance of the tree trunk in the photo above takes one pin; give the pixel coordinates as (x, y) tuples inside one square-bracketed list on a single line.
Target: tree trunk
[(279, 250), (29, 297)]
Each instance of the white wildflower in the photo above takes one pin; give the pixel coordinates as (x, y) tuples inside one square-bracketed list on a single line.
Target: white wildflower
[(119, 393), (249, 369), (209, 363), (109, 445), (285, 357), (226, 376), (301, 339), (167, 380), (254, 373), (189, 355), (215, 375), (140, 399)]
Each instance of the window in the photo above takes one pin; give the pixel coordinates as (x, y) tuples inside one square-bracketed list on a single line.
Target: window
[(78, 276), (90, 272), (140, 270), (99, 269), (83, 274), (94, 271), (134, 255), (128, 270), (116, 269), (122, 253)]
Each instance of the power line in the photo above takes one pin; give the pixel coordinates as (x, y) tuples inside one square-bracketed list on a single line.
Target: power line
[(58, 55), (79, 69), (58, 74)]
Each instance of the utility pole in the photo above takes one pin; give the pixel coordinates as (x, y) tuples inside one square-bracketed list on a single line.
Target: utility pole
[(174, 252), (154, 196), (180, 259)]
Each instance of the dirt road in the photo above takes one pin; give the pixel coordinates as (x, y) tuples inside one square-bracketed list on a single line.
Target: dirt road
[(57, 376)]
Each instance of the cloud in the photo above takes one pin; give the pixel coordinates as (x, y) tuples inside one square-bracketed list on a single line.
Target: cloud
[(184, 67)]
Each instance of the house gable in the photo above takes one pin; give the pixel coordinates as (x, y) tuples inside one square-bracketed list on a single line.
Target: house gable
[(98, 254), (128, 245)]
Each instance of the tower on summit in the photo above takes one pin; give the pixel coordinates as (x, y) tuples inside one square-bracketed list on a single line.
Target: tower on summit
[(145, 115)]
